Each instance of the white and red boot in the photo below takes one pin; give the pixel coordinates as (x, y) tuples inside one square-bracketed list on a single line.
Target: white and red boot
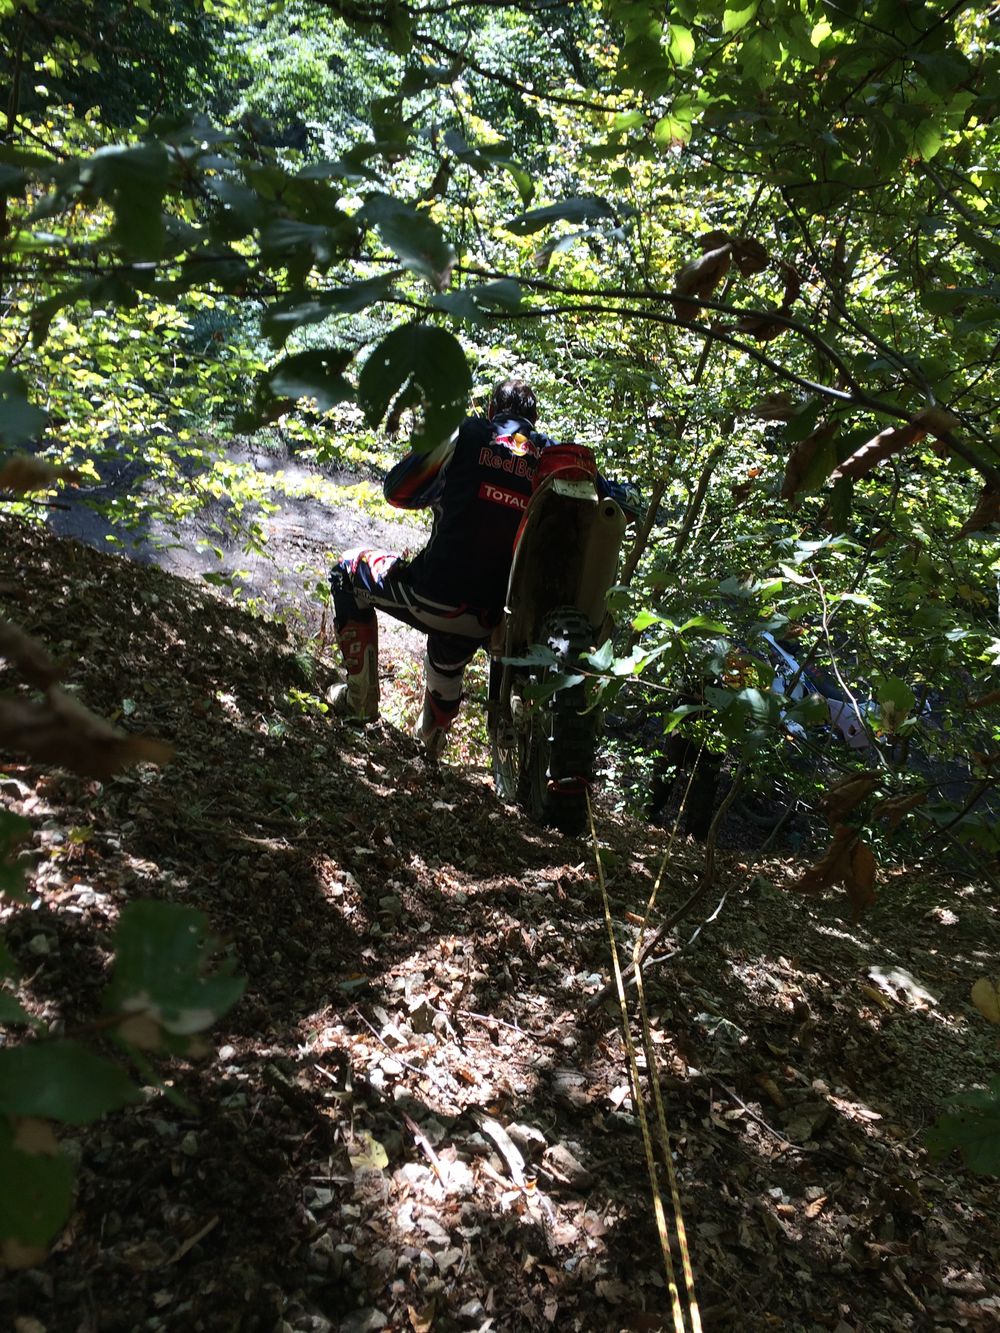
[(358, 697), (435, 722)]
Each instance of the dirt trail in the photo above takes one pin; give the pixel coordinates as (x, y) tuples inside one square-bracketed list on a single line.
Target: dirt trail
[(303, 536)]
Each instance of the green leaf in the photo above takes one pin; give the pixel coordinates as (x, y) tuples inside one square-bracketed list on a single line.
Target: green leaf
[(8, 968), (928, 138), (12, 181), (162, 954), (301, 245), (841, 500), (133, 181), (676, 716), (306, 307), (13, 830), (424, 361), (61, 1080), (944, 300), (804, 421), (537, 654), (550, 684), (347, 168), (945, 70), (475, 303), (483, 157), (37, 1191), (735, 19), (813, 710), (286, 237), (756, 704), (986, 247), (577, 209), (627, 120), (646, 618), (20, 421), (316, 374), (896, 700), (412, 235), (602, 657), (974, 1132), (674, 127), (705, 623), (639, 658), (11, 1011), (681, 46)]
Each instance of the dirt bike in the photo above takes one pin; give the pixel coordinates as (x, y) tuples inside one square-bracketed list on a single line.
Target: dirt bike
[(542, 732)]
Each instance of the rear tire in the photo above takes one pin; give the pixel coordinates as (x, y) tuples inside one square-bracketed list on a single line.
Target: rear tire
[(557, 762), (506, 742)]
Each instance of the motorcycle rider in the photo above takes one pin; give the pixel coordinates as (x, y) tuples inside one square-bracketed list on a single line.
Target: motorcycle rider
[(477, 485)]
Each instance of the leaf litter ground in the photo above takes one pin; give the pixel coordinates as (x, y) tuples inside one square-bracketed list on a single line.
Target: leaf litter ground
[(415, 1040)]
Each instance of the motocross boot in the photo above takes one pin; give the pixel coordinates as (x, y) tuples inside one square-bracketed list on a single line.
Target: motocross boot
[(435, 722), (357, 699)]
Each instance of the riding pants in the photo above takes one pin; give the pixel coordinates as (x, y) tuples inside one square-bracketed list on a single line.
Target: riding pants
[(364, 581)]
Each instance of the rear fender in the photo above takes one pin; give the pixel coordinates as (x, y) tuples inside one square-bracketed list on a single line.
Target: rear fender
[(566, 554)]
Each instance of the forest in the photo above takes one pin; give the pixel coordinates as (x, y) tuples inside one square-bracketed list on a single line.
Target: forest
[(300, 1030)]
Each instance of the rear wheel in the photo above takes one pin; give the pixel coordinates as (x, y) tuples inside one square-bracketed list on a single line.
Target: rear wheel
[(558, 736), (507, 744)]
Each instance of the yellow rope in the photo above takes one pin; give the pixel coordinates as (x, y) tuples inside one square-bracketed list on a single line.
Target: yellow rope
[(658, 1210), (663, 1132)]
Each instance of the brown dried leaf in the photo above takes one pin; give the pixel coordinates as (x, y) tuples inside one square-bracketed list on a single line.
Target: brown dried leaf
[(985, 514), (860, 878), (699, 279), (762, 326), (832, 866), (27, 655), (421, 1321), (845, 795), (141, 1031), (793, 284), (800, 460), (935, 420), (897, 806), (22, 473), (713, 240), (985, 996), (62, 731), (15, 1255), (768, 1086), (892, 440), (776, 407), (35, 1137), (750, 255)]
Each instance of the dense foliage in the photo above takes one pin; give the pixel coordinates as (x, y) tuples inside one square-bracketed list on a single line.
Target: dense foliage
[(748, 250)]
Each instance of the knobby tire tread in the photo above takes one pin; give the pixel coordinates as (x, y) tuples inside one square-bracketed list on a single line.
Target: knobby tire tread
[(564, 735)]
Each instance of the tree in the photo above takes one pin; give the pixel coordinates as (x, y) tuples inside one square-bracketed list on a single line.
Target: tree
[(751, 246)]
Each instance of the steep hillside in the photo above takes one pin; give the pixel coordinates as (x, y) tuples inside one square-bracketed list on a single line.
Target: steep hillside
[(420, 964)]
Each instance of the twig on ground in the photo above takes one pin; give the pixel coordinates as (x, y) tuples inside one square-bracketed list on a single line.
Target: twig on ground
[(501, 1022), (424, 1143), (429, 1074), (297, 1100)]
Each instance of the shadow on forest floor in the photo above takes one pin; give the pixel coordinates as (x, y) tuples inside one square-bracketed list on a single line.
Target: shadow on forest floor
[(419, 962)]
